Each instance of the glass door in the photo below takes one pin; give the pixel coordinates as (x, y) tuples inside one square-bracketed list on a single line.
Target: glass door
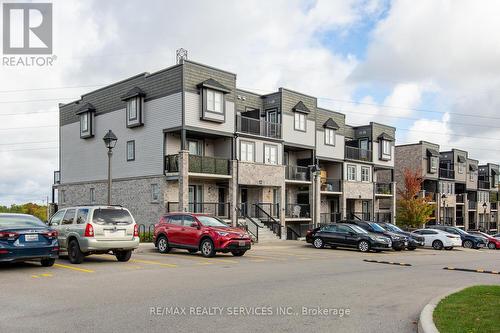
[(272, 121), (195, 198)]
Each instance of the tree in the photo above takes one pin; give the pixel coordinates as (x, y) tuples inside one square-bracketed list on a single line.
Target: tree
[(27, 208), (413, 209)]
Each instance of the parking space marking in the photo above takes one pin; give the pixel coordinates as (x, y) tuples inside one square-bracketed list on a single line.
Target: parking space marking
[(471, 270), (387, 262), (42, 275), (151, 262), (265, 258), (83, 270)]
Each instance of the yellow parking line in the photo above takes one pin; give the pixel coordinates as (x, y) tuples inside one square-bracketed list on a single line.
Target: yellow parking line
[(35, 276), (46, 275), (266, 258), (74, 268), (150, 262), (202, 259)]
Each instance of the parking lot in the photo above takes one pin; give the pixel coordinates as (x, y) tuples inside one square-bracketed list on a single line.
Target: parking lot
[(284, 277)]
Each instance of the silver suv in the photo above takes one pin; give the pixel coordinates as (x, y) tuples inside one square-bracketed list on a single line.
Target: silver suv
[(87, 230)]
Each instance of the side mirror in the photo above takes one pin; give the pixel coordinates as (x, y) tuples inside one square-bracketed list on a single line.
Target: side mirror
[(352, 233), (195, 225)]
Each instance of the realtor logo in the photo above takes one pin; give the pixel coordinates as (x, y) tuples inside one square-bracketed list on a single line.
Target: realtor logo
[(27, 28)]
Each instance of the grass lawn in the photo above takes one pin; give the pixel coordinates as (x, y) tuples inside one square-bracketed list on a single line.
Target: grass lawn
[(473, 310)]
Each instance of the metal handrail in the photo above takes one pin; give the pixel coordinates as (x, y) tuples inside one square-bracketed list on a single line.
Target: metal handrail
[(295, 172), (295, 233), (255, 232), (258, 127), (355, 153), (271, 222)]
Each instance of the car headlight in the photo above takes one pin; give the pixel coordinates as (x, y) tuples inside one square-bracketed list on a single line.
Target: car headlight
[(381, 239), (222, 233)]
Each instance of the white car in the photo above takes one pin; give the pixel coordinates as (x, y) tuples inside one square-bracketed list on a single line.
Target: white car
[(438, 239)]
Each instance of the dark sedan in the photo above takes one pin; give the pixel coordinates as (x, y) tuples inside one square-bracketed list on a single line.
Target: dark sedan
[(468, 240), (398, 242), (24, 237), (414, 240), (345, 235)]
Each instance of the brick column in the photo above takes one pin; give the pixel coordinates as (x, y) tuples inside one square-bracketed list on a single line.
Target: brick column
[(317, 199), (343, 202), (233, 192), (183, 180), (394, 205), (466, 213), (283, 206)]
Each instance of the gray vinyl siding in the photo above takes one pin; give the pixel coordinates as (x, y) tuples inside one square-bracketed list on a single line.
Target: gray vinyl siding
[(291, 98), (192, 107), (322, 115), (108, 99), (195, 73), (251, 101), (86, 160)]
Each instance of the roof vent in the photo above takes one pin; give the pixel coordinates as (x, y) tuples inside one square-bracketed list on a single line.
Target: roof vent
[(181, 55)]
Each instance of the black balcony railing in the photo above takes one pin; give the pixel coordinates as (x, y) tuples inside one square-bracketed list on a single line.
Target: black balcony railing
[(207, 164), (383, 217), (428, 194), (258, 127), (218, 209), (447, 221), (364, 216), (172, 163), (57, 177), (354, 153), (459, 221), (447, 173), (298, 211), (484, 184), (293, 172), (460, 198), (383, 188), (330, 217), (494, 205), (332, 185), (494, 197), (472, 205)]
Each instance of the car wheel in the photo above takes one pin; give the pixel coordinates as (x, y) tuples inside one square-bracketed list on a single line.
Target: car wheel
[(123, 256), (318, 243), (492, 246), (207, 248), (162, 244), (49, 262), (437, 245), (449, 248), (192, 250), (412, 248), (238, 253), (364, 246), (75, 255), (398, 249), (468, 244)]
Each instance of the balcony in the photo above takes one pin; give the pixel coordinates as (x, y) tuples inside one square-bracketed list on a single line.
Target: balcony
[(460, 198), (358, 154), (472, 205), (331, 185), (383, 189), (484, 184), (298, 211), (383, 217), (330, 217), (199, 164), (298, 173), (428, 194), (57, 177), (258, 127), (494, 206), (218, 209), (447, 173)]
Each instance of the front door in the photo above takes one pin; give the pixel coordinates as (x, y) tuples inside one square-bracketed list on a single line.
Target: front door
[(272, 120), (365, 210), (196, 198), (221, 211), (363, 149), (244, 201)]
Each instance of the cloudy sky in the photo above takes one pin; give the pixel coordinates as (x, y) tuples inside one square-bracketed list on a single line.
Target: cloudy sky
[(431, 68)]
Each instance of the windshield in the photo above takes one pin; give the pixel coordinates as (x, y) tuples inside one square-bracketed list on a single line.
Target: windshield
[(460, 231), (393, 228), (376, 227), (112, 216), (358, 229), (19, 221), (210, 221)]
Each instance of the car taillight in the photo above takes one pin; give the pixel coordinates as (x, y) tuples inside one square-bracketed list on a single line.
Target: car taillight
[(450, 236), (309, 232), (136, 231), (8, 235), (51, 234), (89, 230)]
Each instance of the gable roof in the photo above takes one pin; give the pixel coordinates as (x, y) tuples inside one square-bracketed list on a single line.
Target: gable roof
[(87, 107), (432, 152), (134, 92), (213, 84), (300, 107), (385, 136), (330, 123)]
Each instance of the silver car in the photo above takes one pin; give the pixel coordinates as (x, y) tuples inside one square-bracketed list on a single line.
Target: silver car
[(87, 230)]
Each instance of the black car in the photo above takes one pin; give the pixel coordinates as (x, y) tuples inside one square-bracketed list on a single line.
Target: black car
[(468, 240), (414, 240), (398, 242), (347, 235)]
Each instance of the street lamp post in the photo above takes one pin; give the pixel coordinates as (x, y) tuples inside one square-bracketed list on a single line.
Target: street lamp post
[(443, 198), (110, 142), (484, 217)]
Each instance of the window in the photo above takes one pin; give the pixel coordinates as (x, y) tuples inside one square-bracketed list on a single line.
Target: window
[(81, 216), (155, 192), (365, 174), (300, 121), (63, 196), (130, 150), (461, 168), (330, 136), (92, 195), (69, 217), (195, 147), (84, 122), (270, 154), (56, 218), (351, 172), (386, 149), (214, 101), (132, 108), (247, 151), (188, 220), (134, 111), (434, 164), (472, 174)]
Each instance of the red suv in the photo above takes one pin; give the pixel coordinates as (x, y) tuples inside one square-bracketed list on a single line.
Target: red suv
[(199, 232)]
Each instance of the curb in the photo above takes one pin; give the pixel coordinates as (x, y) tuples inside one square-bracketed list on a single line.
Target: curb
[(425, 321)]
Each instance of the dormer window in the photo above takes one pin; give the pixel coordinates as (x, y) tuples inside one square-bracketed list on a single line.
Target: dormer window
[(86, 114), (135, 104), (213, 100), (331, 128), (385, 146), (300, 116), (433, 158)]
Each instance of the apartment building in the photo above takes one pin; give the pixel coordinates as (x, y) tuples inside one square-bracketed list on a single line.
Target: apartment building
[(190, 140), (465, 193)]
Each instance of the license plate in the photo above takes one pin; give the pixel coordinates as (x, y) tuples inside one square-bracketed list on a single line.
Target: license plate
[(31, 238), (406, 243), (114, 233), (241, 243)]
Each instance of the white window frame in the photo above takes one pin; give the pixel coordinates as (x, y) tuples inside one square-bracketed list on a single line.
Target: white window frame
[(215, 101), (461, 167), (133, 104), (351, 167), (386, 148), (155, 193), (300, 121), (130, 143), (269, 156), (84, 122), (367, 169), (63, 196), (245, 155), (330, 136), (434, 163)]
